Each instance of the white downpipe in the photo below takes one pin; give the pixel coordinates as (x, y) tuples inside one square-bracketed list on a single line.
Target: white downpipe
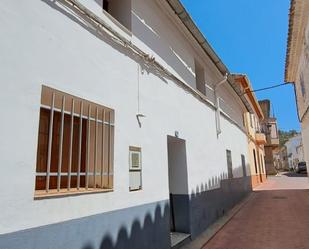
[(139, 115), (217, 104)]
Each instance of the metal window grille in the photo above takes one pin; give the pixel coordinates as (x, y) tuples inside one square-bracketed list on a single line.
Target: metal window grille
[(75, 145)]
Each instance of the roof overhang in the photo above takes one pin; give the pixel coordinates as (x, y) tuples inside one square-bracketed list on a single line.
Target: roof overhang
[(242, 83), (298, 18), (187, 21)]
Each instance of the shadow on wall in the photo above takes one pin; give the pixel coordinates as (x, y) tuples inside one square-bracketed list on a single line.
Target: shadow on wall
[(211, 200), (139, 227), (92, 27), (148, 32), (212, 183), (152, 234), (215, 181)]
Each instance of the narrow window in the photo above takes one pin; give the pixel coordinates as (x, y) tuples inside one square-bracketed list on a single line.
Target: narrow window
[(105, 5), (120, 10), (200, 78), (243, 164), (229, 164), (251, 122), (75, 145), (262, 164), (255, 165), (135, 169), (244, 120), (254, 123)]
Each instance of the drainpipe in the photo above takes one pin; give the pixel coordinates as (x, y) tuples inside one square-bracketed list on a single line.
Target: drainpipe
[(217, 104)]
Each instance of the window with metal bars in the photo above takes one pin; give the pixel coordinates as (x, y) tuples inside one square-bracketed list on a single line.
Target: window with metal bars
[(75, 145)]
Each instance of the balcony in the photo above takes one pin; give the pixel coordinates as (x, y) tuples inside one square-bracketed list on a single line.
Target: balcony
[(260, 138), (274, 141)]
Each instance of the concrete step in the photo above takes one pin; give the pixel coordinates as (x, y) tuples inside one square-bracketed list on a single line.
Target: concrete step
[(179, 239)]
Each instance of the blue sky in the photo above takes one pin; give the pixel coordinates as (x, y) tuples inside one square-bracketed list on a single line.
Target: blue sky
[(250, 37)]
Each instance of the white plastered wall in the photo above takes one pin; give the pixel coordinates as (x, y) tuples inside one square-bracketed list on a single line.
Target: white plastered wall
[(44, 44), (302, 91), (305, 138)]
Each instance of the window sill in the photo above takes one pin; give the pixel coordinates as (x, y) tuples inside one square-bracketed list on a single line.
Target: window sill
[(135, 190), (42, 194)]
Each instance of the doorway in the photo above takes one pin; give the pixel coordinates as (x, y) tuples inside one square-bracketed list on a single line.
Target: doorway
[(260, 169), (178, 185)]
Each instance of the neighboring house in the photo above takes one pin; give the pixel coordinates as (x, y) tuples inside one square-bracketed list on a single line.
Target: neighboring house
[(256, 139), (281, 159), (118, 126), (276, 156), (300, 152), (294, 151), (269, 127), (297, 64)]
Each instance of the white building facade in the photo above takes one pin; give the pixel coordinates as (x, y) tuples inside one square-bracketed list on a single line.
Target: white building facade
[(294, 151), (110, 138), (297, 65)]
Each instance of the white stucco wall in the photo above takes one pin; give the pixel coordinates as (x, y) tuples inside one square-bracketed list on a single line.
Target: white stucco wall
[(302, 81), (291, 146), (302, 91), (42, 43), (305, 138)]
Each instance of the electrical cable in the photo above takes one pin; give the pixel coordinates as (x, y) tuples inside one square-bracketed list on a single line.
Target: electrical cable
[(267, 88)]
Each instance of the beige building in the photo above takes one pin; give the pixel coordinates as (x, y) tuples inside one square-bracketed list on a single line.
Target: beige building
[(256, 139), (269, 128), (297, 64)]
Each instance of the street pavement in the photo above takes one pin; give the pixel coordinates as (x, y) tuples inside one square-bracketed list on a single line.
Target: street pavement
[(276, 217)]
